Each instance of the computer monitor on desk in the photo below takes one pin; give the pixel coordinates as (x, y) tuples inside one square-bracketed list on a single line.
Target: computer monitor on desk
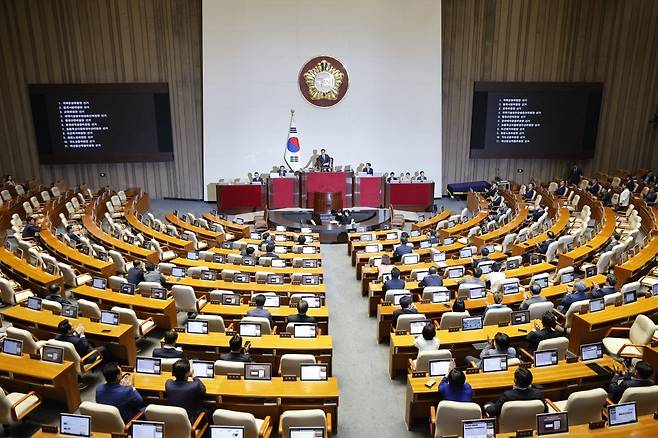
[(75, 425), (148, 429), (306, 432), (623, 413), (492, 364), (226, 431), (484, 428)]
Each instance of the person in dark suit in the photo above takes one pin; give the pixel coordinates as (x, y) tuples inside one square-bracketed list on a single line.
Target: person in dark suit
[(421, 176), (257, 178), (432, 238), (260, 311), (630, 183), (368, 170), (301, 316), (579, 293), (323, 162), (183, 393), (521, 391), (168, 349), (391, 177), (549, 331), (530, 192), (497, 200), (401, 250), (282, 171), (640, 377), (155, 276), (406, 308), (595, 187), (73, 235), (431, 279), (649, 178), (575, 174), (606, 196), (651, 196), (607, 289), (248, 251), (484, 257), (269, 251), (237, 354), (536, 297), (79, 341), (395, 282), (31, 230), (135, 274), (542, 248), (120, 395), (561, 188)]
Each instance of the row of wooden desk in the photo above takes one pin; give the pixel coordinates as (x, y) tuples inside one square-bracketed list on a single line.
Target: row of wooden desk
[(37, 280)]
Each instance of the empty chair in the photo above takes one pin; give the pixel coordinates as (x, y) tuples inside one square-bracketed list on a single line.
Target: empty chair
[(265, 328), (186, 300), (216, 295), (410, 259), (147, 286), (452, 319), (315, 418), (215, 322), (404, 321), (391, 293), (446, 419), (253, 427), (228, 274), (261, 276), (142, 327), (573, 309), (497, 316), (72, 277), (519, 415), (537, 310), (45, 196), (196, 271), (164, 255), (30, 344), (104, 418), (290, 363), (54, 306), (192, 238), (583, 406), (115, 282), (646, 398), (428, 291), (71, 355), (639, 334), (421, 363), (6, 196), (120, 264), (225, 367), (176, 422), (603, 264), (561, 272), (88, 309), (15, 406), (506, 245), (10, 296), (464, 288), (561, 344)]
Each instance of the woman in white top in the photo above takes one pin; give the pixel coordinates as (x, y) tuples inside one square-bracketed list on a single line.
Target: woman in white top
[(427, 340)]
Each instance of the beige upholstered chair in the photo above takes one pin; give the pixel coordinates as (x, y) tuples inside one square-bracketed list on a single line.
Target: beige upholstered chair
[(186, 300), (10, 296), (561, 344), (519, 415), (583, 406), (224, 367), (115, 282), (88, 309), (104, 418), (537, 310), (447, 417), (496, 316), (176, 422), (265, 328), (289, 365), (142, 327), (53, 306), (215, 322), (72, 356), (646, 399), (391, 293), (146, 286), (304, 418), (15, 406), (404, 321), (30, 344), (452, 319), (253, 427), (639, 335), (73, 278), (163, 254), (421, 363)]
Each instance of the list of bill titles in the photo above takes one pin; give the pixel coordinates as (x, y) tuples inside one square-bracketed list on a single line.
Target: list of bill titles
[(514, 118), (79, 124)]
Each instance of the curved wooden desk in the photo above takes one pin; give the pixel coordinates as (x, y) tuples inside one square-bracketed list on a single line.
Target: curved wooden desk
[(211, 237), (39, 281), (238, 230), (431, 223)]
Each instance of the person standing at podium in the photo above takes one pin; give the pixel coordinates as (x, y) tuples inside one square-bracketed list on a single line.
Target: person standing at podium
[(323, 162)]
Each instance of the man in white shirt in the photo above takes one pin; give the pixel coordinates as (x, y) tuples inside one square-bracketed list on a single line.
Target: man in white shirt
[(624, 199)]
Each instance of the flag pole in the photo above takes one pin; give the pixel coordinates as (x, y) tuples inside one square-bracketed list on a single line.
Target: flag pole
[(292, 113)]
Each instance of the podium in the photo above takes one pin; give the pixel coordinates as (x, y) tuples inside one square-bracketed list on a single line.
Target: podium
[(283, 192), (324, 202), (333, 182)]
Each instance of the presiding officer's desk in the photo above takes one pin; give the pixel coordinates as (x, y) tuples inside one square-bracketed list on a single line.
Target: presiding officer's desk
[(201, 287), (52, 381), (266, 348), (233, 314), (39, 281), (163, 312), (459, 343), (592, 327), (119, 339), (260, 398), (489, 386)]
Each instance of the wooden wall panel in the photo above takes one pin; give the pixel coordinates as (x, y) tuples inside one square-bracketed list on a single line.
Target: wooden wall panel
[(96, 41), (611, 41)]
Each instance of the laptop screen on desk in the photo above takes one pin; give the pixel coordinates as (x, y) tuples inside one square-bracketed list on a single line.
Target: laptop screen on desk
[(308, 250), (197, 327), (148, 429), (471, 323), (630, 296), (275, 279), (109, 317), (226, 431), (542, 282), (591, 351), (313, 372), (520, 317), (455, 272), (75, 425), (203, 369), (34, 303), (566, 278), (50, 353), (159, 293), (510, 288), (280, 250), (545, 358), (596, 305), (12, 346), (442, 296), (623, 413), (306, 432), (438, 257), (258, 371), (304, 330), (484, 428), (492, 364), (127, 288), (178, 272), (69, 311), (272, 300), (148, 365), (475, 293), (278, 263), (416, 327), (249, 329), (193, 255), (314, 302), (465, 253), (548, 424), (99, 283), (485, 267), (439, 367)]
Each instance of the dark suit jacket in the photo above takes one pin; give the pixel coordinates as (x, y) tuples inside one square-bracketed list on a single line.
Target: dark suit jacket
[(561, 190), (393, 283), (235, 357), (529, 194), (187, 395), (282, 172), (651, 197), (168, 353), (82, 346), (398, 312), (543, 247), (535, 337), (431, 280), (574, 175), (257, 180), (515, 394), (369, 171), (571, 298), (302, 318), (400, 251), (621, 384), (605, 290), (30, 231), (595, 189), (74, 237), (135, 276), (125, 398)]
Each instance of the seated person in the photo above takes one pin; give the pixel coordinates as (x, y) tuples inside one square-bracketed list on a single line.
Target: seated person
[(595, 187), (257, 178), (237, 354), (73, 235), (248, 251), (561, 188), (31, 230), (77, 338), (395, 282), (484, 257), (431, 279), (406, 308), (154, 275), (427, 340), (459, 305), (607, 289), (385, 266), (368, 170), (301, 240), (267, 238), (269, 251), (169, 349), (301, 316), (475, 279), (391, 177), (536, 297), (606, 196), (498, 297), (421, 176), (260, 311), (537, 213), (323, 162), (549, 331), (522, 390), (453, 386), (543, 247), (135, 274), (530, 192), (282, 171), (120, 394), (639, 377), (497, 200), (431, 237), (616, 237), (401, 250), (496, 275), (500, 346), (579, 293), (651, 196), (183, 393)]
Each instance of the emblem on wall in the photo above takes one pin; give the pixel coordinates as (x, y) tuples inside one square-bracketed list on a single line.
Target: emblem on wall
[(323, 81)]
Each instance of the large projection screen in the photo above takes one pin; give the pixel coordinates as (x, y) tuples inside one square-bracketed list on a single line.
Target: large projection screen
[(253, 51)]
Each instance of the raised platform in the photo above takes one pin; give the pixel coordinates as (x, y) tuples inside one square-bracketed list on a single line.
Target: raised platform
[(293, 219)]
